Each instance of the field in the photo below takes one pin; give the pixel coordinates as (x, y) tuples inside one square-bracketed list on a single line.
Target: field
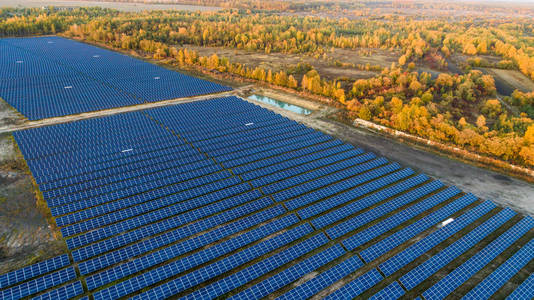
[(219, 197), (326, 67)]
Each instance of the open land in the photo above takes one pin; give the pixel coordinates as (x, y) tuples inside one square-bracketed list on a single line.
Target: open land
[(326, 67)]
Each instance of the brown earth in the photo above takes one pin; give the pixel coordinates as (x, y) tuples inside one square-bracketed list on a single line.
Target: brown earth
[(326, 67), (25, 235)]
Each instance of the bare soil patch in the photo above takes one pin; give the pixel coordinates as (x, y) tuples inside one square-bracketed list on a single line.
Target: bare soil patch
[(513, 78), (327, 68), (25, 235)]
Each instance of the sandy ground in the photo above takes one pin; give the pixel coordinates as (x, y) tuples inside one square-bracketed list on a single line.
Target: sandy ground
[(129, 7), (485, 184)]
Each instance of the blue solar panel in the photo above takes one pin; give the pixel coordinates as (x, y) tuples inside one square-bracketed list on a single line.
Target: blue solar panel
[(359, 191), (356, 287), (145, 246), (524, 291), (309, 192), (417, 275), (300, 150), (169, 201), (38, 285), (240, 278), (323, 280), (492, 283), (200, 275), (282, 174), (51, 76), (34, 270), (176, 250), (411, 253), (145, 208), (392, 291), (389, 243), (459, 275), (359, 220), (279, 280), (395, 220), (68, 291)]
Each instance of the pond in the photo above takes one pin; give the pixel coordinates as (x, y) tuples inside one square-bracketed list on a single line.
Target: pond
[(281, 104)]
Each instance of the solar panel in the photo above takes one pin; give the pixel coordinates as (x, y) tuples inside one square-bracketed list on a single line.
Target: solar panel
[(411, 253), (323, 279), (34, 270), (290, 274), (392, 291), (209, 271), (523, 291), (469, 268), (492, 283), (240, 278), (387, 244), (39, 284), (438, 261), (45, 77), (68, 291)]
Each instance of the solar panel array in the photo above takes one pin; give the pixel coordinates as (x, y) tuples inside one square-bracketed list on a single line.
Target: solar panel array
[(222, 198), (52, 76)]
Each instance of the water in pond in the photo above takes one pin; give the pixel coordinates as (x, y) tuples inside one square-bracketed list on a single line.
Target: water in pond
[(281, 104)]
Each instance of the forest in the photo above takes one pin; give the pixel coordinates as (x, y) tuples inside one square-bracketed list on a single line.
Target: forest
[(438, 87)]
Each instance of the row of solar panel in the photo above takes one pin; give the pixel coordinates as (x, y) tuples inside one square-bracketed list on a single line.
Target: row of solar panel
[(96, 171), (100, 210), (92, 212), (227, 263), (126, 238), (142, 126), (110, 218), (151, 165), (194, 160), (129, 212), (91, 78), (230, 216), (70, 206), (81, 170), (135, 222), (86, 169), (364, 282), (86, 150), (159, 214), (92, 236), (45, 165)]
